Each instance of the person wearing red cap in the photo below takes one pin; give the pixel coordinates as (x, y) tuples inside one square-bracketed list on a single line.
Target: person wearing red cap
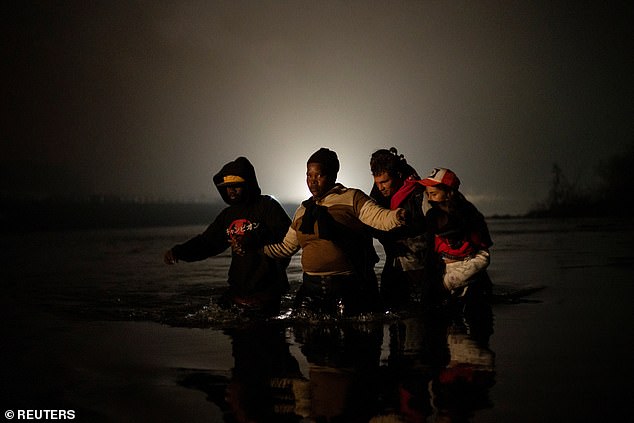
[(460, 235)]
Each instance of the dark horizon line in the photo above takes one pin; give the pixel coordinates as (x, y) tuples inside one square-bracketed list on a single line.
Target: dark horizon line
[(47, 215)]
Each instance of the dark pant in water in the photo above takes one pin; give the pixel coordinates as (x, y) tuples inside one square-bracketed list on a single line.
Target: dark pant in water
[(337, 294)]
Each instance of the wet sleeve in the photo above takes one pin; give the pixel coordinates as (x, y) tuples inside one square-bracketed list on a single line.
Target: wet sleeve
[(289, 245), (284, 249), (211, 242), (373, 215)]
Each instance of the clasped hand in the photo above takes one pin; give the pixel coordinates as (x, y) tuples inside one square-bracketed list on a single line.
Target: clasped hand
[(236, 245)]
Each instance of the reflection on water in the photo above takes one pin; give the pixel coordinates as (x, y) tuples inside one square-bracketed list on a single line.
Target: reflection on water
[(425, 368), (311, 369), (412, 368), (396, 367)]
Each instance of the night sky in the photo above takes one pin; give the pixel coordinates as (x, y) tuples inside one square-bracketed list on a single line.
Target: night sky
[(149, 99)]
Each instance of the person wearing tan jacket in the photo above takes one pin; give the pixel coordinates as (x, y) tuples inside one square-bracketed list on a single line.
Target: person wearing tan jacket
[(331, 229)]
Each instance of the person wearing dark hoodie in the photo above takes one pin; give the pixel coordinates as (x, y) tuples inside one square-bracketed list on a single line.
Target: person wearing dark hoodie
[(250, 221)]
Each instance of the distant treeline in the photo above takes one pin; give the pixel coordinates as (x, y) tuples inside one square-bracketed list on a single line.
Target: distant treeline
[(609, 192), (84, 214)]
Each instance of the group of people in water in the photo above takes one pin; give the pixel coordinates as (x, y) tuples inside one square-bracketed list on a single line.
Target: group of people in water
[(436, 242)]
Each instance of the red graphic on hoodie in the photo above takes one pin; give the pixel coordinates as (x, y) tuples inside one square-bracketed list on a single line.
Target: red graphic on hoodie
[(239, 227)]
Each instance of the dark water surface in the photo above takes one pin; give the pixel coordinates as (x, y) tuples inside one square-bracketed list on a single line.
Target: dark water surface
[(94, 322)]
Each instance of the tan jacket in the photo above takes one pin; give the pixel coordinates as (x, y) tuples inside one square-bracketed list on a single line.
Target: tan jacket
[(349, 207)]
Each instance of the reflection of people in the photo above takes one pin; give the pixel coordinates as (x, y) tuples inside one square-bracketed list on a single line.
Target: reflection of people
[(417, 351), (264, 375), (462, 386), (264, 379), (461, 235), (396, 184), (250, 221), (344, 379), (338, 257), (440, 366)]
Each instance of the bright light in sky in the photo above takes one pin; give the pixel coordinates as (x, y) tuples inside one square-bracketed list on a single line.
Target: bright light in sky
[(284, 170), (151, 99)]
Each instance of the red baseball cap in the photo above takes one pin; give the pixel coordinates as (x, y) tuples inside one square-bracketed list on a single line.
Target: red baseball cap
[(441, 175)]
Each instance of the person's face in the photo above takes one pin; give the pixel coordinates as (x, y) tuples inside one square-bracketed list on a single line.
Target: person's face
[(437, 195), (235, 193), (386, 184), (318, 183)]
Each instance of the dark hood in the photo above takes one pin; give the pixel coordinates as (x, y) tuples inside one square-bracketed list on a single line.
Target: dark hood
[(239, 167)]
